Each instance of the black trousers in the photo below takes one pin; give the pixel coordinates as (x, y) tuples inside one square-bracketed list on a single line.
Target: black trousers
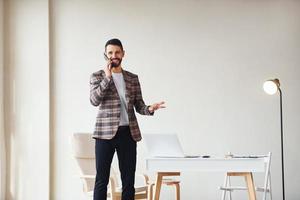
[(126, 151)]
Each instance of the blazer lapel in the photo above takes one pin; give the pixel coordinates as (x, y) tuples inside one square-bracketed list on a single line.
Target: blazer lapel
[(113, 87), (127, 92)]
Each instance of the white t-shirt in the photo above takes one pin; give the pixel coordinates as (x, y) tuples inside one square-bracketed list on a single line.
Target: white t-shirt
[(121, 88)]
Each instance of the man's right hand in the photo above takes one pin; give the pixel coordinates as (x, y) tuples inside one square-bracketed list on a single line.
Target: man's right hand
[(107, 69)]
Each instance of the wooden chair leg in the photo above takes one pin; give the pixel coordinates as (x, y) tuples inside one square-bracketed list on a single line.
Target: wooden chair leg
[(250, 185), (158, 183), (177, 191), (150, 192)]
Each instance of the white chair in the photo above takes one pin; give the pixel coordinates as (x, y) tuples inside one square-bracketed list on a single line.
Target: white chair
[(266, 189), (84, 153)]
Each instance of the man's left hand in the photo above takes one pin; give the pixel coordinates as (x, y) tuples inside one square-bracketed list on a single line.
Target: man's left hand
[(156, 106)]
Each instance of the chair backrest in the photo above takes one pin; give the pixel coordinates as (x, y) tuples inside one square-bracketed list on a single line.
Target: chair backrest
[(84, 154), (267, 172)]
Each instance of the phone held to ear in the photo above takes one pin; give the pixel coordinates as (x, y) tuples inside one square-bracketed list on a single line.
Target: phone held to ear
[(112, 64)]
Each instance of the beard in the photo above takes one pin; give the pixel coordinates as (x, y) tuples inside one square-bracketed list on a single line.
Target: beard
[(116, 62)]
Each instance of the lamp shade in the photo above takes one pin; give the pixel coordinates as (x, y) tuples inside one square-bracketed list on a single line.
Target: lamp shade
[(271, 86)]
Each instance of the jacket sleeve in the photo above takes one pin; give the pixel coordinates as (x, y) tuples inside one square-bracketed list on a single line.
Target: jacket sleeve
[(139, 103), (98, 88)]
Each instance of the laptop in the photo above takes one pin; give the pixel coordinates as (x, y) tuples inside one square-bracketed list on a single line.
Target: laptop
[(164, 145)]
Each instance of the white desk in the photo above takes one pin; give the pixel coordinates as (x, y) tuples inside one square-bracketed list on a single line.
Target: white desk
[(163, 167)]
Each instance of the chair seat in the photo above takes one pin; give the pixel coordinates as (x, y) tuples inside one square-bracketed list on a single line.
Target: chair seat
[(138, 189)]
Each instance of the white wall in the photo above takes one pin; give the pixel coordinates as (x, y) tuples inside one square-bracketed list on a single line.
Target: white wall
[(2, 138), (27, 99), (206, 59)]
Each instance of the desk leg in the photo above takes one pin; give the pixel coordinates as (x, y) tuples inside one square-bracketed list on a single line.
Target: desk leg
[(250, 185), (158, 183), (249, 181)]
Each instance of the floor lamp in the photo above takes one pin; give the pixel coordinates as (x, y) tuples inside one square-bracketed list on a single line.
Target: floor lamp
[(271, 87)]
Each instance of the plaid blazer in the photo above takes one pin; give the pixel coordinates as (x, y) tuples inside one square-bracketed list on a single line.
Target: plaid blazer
[(103, 93)]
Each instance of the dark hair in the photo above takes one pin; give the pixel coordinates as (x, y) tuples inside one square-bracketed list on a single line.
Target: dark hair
[(114, 41)]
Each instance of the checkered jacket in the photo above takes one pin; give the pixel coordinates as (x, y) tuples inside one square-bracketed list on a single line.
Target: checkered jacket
[(103, 93)]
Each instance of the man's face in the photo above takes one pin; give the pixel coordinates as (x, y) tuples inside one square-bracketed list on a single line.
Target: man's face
[(115, 54)]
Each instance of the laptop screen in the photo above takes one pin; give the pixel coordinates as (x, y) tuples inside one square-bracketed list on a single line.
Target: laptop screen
[(163, 145)]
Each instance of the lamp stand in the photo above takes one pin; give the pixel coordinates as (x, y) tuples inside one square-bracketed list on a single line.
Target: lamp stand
[(282, 155)]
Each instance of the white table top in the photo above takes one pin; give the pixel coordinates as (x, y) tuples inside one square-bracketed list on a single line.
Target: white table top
[(211, 164)]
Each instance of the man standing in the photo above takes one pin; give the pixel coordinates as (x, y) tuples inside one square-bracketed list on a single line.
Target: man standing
[(117, 92)]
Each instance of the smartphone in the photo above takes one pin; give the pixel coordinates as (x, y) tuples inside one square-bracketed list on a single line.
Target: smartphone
[(105, 56)]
